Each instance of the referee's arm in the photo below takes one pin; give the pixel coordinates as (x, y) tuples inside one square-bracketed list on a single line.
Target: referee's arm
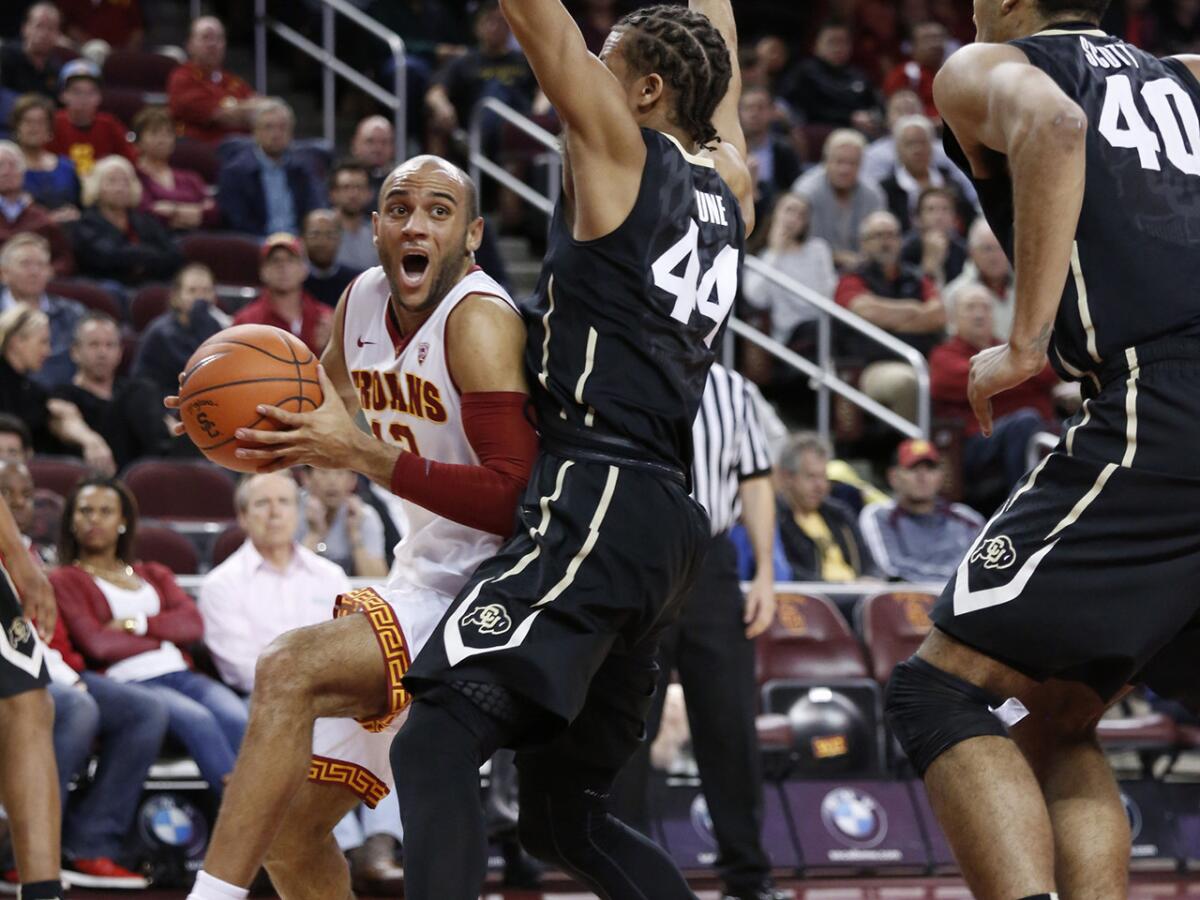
[(758, 515)]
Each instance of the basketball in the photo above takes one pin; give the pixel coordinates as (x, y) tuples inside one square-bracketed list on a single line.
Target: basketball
[(234, 371)]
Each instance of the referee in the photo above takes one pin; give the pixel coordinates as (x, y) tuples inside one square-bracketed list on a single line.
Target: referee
[(711, 646)]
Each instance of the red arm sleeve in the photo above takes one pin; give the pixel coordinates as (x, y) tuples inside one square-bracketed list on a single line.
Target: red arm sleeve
[(178, 620), (483, 496)]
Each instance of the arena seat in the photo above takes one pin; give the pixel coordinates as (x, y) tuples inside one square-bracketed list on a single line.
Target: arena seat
[(1148, 731), (93, 296), (58, 473), (127, 102), (144, 70), (181, 490), (234, 259), (197, 156), (154, 543), (148, 303), (227, 542), (893, 625)]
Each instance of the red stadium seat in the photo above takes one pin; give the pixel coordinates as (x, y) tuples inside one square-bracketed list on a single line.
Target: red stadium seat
[(141, 69), (148, 303), (227, 542), (183, 490), (129, 348), (810, 640), (234, 259), (894, 624), (154, 543), (198, 157), (58, 473), (124, 102), (89, 294)]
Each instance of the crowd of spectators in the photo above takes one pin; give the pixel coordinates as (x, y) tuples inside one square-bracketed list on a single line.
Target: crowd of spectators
[(105, 292)]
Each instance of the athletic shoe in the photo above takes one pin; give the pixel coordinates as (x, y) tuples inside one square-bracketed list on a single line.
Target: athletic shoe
[(766, 891), (102, 872)]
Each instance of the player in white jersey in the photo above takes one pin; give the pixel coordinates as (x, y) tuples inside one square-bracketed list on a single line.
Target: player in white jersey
[(429, 348)]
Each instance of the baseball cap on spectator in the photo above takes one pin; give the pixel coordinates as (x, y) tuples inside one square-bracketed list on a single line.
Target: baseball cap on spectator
[(282, 240), (914, 451), (78, 68)]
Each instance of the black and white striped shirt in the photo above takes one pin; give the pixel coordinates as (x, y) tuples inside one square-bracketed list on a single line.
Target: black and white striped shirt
[(729, 446)]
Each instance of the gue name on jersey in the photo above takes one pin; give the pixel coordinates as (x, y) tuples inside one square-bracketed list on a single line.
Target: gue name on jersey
[(379, 391), (1108, 56), (711, 208)]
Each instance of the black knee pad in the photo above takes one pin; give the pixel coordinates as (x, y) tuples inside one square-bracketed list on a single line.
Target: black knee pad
[(930, 711)]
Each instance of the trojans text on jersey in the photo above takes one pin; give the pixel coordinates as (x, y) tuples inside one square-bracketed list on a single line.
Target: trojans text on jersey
[(378, 391)]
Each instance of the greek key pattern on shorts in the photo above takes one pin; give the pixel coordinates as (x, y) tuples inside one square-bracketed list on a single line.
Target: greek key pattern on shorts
[(392, 645), (362, 782)]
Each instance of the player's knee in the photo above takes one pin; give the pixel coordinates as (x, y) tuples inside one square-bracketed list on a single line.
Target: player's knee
[(282, 671), (930, 711)]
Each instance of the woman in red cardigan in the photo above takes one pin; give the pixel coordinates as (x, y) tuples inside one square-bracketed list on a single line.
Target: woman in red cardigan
[(130, 620)]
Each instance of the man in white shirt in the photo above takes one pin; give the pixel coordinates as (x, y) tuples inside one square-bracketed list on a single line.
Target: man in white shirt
[(270, 585)]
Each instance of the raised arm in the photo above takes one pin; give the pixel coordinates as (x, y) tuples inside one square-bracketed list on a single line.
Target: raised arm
[(998, 105)]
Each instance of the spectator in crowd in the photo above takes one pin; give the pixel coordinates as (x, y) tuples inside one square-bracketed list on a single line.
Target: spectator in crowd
[(269, 585), (326, 277), (775, 55), (492, 68), (16, 443), (208, 102), (81, 132), (178, 198), (1018, 414), (819, 534), (170, 340), (916, 535), (114, 239), (122, 725), (338, 525), (879, 161), (21, 214), (793, 250), (32, 65), (596, 19), (116, 22), (56, 425), (841, 199), (129, 619), (283, 302), (775, 164), (1135, 22), (350, 195), (26, 270), (901, 300), (126, 412), (990, 267), (825, 89), (267, 189), (50, 177), (928, 54), (933, 243), (915, 171), (374, 145)]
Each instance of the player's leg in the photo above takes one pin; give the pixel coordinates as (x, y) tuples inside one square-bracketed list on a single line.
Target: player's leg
[(1091, 829), (304, 860), (29, 786), (334, 669), (980, 785)]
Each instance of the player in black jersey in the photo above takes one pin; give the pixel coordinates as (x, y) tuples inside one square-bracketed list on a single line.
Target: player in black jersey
[(1086, 153), (551, 646)]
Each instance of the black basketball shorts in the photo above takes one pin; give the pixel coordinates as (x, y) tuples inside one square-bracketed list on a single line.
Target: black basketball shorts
[(22, 654), (1090, 571), (567, 614)]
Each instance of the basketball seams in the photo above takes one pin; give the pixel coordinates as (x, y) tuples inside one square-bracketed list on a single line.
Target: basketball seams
[(224, 384), (300, 401)]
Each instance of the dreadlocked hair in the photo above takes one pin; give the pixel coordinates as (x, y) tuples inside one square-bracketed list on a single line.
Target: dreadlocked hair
[(689, 54)]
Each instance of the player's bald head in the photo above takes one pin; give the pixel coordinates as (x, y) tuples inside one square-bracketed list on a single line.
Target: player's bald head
[(431, 169)]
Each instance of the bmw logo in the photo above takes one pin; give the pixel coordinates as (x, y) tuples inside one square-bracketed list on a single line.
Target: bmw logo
[(167, 820), (1134, 814), (854, 817), (702, 820)]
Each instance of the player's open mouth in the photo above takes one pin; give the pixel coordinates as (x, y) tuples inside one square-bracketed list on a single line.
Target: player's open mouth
[(413, 266)]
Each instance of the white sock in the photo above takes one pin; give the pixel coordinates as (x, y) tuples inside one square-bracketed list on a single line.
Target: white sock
[(209, 888)]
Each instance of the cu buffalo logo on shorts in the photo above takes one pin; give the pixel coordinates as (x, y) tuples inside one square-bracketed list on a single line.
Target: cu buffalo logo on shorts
[(490, 619), (995, 553), (19, 632)]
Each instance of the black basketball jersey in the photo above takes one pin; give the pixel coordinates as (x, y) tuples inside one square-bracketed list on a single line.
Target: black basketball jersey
[(622, 328), (1135, 264)]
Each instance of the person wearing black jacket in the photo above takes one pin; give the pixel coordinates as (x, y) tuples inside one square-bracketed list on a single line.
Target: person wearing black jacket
[(825, 89), (113, 240), (171, 338)]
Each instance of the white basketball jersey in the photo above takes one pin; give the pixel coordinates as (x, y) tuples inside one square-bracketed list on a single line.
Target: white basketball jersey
[(410, 400)]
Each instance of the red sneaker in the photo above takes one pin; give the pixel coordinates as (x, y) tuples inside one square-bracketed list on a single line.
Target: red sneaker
[(102, 873)]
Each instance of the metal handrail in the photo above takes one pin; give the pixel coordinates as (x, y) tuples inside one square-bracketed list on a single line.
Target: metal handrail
[(332, 66), (821, 372)]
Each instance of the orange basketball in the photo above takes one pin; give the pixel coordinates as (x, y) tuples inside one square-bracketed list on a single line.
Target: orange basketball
[(234, 371)]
